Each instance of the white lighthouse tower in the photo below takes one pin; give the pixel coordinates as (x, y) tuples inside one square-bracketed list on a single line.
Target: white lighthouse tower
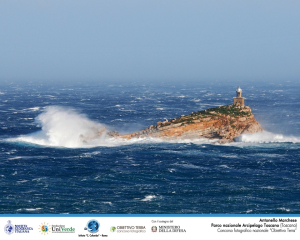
[(239, 100)]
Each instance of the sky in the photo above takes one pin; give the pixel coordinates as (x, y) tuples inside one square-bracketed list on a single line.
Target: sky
[(153, 40)]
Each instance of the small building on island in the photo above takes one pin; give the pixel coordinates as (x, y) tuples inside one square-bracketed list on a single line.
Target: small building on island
[(239, 100)]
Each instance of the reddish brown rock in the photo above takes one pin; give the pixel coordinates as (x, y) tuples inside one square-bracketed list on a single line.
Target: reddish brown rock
[(223, 123)]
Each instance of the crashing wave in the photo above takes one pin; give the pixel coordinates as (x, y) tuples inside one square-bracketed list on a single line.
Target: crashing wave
[(266, 137)]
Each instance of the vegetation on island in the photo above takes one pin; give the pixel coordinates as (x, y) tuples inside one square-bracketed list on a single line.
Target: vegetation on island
[(232, 111), (229, 110)]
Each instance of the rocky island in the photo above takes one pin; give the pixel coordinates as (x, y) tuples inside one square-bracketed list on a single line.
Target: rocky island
[(222, 123)]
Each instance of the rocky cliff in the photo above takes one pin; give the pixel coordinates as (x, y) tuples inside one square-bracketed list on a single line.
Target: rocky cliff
[(223, 123)]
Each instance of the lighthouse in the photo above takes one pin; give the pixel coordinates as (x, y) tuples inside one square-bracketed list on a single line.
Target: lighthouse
[(239, 100)]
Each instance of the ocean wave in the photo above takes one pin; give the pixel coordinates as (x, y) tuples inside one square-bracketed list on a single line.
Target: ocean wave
[(266, 137), (28, 209), (148, 198), (33, 109), (64, 127)]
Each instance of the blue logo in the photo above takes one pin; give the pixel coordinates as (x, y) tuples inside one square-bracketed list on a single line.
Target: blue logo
[(9, 228), (92, 226)]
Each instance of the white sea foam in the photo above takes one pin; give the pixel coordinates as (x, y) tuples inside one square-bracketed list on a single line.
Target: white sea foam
[(22, 181), (32, 209), (14, 158), (285, 209), (224, 166), (266, 137), (148, 198), (33, 109)]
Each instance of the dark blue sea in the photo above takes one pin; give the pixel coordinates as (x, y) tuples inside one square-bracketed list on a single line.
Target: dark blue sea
[(46, 168)]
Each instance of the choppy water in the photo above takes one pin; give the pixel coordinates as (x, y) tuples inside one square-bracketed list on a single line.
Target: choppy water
[(45, 169)]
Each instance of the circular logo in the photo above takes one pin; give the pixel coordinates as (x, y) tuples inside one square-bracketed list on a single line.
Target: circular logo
[(9, 228), (113, 229), (44, 228), (92, 226), (154, 229)]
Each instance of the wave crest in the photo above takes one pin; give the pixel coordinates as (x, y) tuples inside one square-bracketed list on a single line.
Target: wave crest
[(266, 137), (64, 127)]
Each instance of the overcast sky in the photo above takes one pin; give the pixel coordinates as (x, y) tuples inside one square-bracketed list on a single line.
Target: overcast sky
[(149, 40)]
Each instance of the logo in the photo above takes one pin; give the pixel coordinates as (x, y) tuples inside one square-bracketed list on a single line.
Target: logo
[(9, 228), (92, 226), (62, 229), (129, 229), (154, 229), (45, 228)]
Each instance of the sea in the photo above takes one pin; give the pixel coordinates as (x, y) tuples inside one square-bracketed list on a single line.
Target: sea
[(46, 167)]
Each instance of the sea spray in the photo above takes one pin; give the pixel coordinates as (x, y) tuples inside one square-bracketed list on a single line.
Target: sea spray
[(64, 127), (266, 137)]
